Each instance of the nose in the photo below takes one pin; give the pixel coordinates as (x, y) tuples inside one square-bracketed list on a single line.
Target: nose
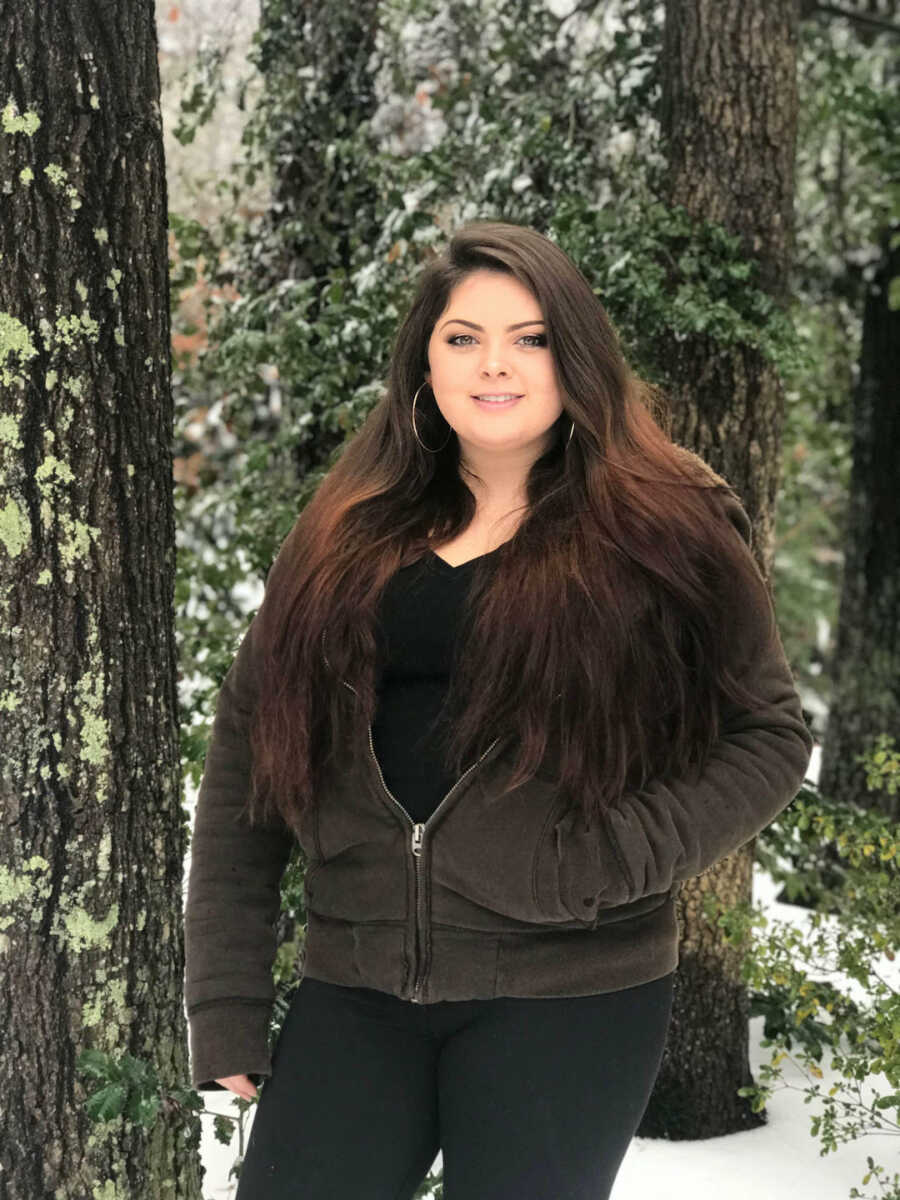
[(493, 367)]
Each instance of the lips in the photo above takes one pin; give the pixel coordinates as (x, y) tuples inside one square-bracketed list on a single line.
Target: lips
[(497, 406)]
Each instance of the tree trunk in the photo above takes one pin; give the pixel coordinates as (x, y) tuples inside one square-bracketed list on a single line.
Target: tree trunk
[(317, 70), (92, 835), (309, 129), (729, 114), (866, 664)]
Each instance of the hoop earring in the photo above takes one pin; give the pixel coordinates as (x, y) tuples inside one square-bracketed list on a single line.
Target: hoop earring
[(569, 438), (415, 435)]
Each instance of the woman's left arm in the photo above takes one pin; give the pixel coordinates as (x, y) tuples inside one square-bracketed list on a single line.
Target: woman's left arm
[(672, 829)]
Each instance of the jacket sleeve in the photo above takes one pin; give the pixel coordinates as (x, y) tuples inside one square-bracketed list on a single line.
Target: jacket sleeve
[(672, 829), (233, 898)]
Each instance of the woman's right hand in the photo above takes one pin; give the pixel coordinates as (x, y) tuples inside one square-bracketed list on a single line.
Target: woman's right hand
[(241, 1085)]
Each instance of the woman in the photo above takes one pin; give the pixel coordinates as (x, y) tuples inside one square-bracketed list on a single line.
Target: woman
[(515, 676)]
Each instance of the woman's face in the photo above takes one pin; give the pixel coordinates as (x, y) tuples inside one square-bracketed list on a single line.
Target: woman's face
[(491, 339)]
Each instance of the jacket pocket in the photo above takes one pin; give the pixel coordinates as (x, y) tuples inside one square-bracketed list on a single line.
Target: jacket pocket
[(494, 854), (579, 886), (592, 883), (312, 870), (637, 908)]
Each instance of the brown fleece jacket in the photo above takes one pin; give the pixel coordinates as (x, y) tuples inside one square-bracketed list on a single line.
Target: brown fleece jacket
[(492, 895)]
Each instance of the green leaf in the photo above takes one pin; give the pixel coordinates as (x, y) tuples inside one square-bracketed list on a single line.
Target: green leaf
[(106, 1103)]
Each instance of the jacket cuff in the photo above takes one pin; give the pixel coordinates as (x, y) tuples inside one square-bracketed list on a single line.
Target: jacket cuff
[(229, 1038)]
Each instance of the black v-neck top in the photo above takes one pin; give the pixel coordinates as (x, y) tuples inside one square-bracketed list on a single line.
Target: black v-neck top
[(420, 614)]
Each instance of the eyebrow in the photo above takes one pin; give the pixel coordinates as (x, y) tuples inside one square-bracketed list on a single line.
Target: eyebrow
[(480, 328)]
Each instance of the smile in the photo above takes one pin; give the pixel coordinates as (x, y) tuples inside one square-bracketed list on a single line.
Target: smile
[(500, 401)]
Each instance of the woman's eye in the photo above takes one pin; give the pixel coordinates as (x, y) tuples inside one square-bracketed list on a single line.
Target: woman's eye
[(540, 339)]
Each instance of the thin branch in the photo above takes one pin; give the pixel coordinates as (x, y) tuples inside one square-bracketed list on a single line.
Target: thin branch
[(860, 18)]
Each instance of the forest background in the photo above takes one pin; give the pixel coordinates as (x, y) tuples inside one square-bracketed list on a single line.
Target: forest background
[(312, 159)]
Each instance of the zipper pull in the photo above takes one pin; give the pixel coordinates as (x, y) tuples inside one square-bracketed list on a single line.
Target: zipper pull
[(417, 839)]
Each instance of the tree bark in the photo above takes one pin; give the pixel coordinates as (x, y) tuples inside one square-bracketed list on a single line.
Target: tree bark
[(729, 116), (309, 128), (317, 69), (865, 668), (92, 832)]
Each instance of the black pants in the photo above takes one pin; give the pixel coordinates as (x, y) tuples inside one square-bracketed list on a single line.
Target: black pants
[(527, 1099)]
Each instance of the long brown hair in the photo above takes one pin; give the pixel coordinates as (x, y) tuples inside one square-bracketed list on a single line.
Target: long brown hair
[(601, 640)]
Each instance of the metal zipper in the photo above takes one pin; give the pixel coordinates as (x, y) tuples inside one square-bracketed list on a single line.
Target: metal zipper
[(417, 837)]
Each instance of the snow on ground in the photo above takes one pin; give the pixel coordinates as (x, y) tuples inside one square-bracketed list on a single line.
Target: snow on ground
[(778, 1161)]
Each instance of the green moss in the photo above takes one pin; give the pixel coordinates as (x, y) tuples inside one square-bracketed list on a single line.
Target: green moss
[(56, 174), (26, 175), (25, 885), (15, 341), (69, 328), (102, 236), (74, 385), (15, 529), (9, 701), (107, 1134), (28, 123), (95, 739), (94, 727), (103, 853), (50, 380), (116, 991), (84, 932), (108, 998), (120, 335), (53, 466), (77, 543), (9, 432), (81, 289), (108, 1191), (45, 578), (92, 1011)]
